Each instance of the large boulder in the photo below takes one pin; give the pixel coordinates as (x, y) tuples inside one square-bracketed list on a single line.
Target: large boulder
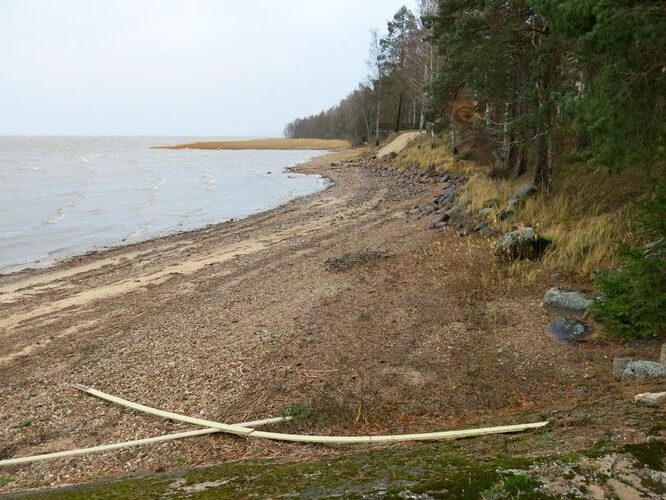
[(568, 331), (566, 301), (643, 369), (523, 243)]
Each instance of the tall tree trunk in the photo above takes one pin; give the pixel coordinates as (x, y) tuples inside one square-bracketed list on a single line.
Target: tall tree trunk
[(543, 168), (397, 121), (379, 105), (514, 143)]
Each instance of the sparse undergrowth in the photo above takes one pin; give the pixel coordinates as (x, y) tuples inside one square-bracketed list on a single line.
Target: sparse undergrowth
[(588, 214)]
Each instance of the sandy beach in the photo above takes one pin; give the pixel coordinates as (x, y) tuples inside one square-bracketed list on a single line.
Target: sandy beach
[(240, 320)]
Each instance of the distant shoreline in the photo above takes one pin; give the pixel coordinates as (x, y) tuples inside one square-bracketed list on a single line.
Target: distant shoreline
[(281, 144)]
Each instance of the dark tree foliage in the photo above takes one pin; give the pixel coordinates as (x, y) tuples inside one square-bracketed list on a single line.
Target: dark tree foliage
[(618, 48), (634, 302), (351, 119)]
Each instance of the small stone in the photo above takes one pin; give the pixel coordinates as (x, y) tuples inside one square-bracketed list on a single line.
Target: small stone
[(481, 225), (619, 364), (489, 231), (568, 331), (524, 191), (651, 399), (455, 209), (440, 225), (504, 214), (564, 300), (465, 230), (484, 212), (442, 218), (638, 369)]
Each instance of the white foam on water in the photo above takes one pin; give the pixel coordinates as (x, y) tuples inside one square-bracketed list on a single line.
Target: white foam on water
[(63, 196)]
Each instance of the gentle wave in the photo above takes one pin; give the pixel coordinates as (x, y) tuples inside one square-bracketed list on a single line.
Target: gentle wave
[(97, 192)]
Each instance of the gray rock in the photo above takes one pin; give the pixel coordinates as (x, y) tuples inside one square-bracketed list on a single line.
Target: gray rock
[(505, 214), (651, 399), (464, 230), (619, 364), (654, 249), (481, 225), (489, 231), (444, 177), (484, 212), (568, 331), (455, 210), (642, 369), (512, 205), (563, 300), (523, 243), (519, 195), (440, 225), (446, 198), (524, 191)]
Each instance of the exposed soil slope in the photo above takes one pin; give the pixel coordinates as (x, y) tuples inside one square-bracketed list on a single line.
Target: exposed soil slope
[(398, 144)]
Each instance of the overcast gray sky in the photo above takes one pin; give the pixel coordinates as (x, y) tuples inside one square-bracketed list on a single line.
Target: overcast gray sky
[(179, 67)]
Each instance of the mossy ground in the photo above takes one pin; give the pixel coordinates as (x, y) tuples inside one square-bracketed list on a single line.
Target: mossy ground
[(437, 470), (434, 471)]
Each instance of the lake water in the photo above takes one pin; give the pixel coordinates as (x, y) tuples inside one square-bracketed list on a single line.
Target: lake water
[(63, 196)]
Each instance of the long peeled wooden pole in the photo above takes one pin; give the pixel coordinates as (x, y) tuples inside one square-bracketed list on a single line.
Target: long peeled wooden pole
[(303, 438), (136, 442)]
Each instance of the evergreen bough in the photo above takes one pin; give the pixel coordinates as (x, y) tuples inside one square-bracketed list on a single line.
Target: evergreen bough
[(634, 302)]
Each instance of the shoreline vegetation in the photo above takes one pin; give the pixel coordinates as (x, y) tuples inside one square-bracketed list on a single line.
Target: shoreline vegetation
[(269, 143)]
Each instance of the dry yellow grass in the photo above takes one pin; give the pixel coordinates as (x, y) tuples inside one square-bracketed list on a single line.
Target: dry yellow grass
[(291, 144), (588, 215), (422, 153), (425, 152)]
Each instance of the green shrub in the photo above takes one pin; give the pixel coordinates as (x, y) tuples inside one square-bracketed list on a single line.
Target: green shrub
[(634, 305), (634, 302)]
